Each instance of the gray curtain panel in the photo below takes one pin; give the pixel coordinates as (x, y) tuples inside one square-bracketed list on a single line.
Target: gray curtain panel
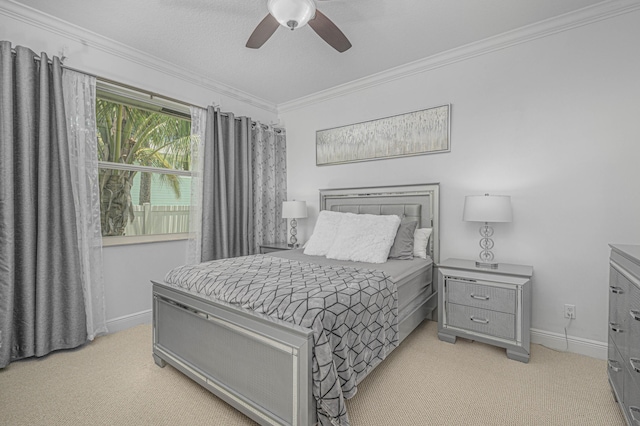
[(269, 150), (227, 204), (41, 298)]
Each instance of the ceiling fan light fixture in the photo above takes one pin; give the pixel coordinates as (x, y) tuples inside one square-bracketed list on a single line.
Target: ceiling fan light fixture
[(292, 13)]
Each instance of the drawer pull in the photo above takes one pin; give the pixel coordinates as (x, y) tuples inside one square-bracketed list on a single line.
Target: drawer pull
[(616, 290), (479, 320), (635, 314), (615, 327), (635, 364), (613, 367), (479, 297), (633, 411)]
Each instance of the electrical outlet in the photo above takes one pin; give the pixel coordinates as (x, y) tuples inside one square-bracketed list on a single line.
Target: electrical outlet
[(570, 311)]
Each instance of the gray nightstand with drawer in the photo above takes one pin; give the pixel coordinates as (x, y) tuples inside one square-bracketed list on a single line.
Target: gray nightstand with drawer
[(488, 305), (271, 247)]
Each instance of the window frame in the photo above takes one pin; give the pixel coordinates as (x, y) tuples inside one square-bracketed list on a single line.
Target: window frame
[(137, 98)]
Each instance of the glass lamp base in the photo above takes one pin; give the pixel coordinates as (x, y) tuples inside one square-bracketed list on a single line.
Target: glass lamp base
[(293, 241), (486, 243)]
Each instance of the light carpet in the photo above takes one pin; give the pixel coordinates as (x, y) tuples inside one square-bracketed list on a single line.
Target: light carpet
[(114, 381)]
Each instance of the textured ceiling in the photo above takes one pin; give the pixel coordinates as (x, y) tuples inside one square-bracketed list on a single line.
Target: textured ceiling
[(208, 36)]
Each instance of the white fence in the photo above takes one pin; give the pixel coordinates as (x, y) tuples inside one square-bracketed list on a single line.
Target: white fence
[(158, 220)]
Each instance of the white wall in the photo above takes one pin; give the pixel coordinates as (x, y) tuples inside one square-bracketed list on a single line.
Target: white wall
[(128, 269), (553, 122)]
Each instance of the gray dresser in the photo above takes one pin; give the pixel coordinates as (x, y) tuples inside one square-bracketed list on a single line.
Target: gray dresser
[(488, 305), (624, 329)]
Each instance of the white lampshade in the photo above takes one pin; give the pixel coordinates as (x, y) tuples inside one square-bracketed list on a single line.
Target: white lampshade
[(294, 209), (292, 13), (487, 208)]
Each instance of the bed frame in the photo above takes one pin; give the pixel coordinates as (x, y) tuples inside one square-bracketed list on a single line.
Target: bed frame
[(258, 364)]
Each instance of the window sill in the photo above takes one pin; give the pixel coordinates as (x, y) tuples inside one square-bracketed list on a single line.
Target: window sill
[(143, 239)]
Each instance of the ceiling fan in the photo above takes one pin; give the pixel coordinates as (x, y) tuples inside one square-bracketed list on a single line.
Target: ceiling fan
[(295, 14)]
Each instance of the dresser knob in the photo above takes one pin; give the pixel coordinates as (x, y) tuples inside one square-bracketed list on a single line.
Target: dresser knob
[(616, 290), (635, 314), (633, 411), (635, 364)]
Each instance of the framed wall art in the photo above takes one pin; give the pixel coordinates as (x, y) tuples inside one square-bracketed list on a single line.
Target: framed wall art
[(414, 133)]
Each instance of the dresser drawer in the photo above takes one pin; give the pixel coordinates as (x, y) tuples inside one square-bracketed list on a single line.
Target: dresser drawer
[(615, 369), (482, 296), (632, 398), (497, 324)]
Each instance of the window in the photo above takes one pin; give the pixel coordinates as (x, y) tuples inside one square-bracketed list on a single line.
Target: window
[(144, 154)]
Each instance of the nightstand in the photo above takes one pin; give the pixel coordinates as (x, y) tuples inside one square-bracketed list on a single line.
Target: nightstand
[(270, 247), (492, 306)]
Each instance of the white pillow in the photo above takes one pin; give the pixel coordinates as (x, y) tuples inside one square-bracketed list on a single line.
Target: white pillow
[(324, 233), (420, 241), (364, 238)]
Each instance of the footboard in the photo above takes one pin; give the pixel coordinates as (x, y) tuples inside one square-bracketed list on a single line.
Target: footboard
[(259, 365)]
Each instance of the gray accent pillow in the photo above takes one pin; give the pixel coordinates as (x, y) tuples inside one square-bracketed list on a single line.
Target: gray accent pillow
[(402, 247)]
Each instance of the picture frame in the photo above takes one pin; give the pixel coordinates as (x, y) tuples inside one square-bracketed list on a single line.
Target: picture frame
[(420, 132)]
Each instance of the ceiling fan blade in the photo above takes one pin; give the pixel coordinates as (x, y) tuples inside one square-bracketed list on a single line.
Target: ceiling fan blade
[(263, 31), (328, 31)]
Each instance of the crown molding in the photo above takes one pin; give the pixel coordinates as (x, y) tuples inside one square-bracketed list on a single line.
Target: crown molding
[(585, 16), (81, 35)]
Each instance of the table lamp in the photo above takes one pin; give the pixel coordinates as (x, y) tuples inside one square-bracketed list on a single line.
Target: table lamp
[(294, 210), (488, 209)]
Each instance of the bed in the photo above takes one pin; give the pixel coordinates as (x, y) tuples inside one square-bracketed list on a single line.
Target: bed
[(262, 365)]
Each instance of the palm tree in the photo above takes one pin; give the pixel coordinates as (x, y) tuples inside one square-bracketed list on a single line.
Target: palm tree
[(134, 136)]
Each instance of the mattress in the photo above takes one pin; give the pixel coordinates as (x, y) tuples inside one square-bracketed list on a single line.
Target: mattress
[(413, 278)]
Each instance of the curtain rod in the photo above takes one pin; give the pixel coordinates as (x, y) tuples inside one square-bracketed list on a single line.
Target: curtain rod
[(37, 57), (158, 95), (146, 92)]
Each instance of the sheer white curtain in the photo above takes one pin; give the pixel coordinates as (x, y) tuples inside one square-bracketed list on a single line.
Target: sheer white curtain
[(198, 123), (79, 92)]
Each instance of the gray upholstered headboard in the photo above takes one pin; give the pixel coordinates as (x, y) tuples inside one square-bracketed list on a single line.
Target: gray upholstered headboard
[(419, 202)]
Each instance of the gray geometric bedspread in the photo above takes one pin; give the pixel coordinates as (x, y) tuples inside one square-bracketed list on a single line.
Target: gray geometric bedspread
[(352, 312)]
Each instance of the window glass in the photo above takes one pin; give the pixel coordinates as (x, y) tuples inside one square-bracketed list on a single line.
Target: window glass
[(144, 158)]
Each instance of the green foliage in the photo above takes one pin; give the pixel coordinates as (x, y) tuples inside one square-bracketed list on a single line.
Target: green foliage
[(131, 135)]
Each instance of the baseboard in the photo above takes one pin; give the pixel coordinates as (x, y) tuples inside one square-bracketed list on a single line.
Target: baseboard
[(128, 321), (578, 345), (555, 341)]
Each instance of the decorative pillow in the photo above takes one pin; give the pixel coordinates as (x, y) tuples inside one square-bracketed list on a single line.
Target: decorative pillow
[(420, 242), (402, 247), (364, 238), (324, 233)]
